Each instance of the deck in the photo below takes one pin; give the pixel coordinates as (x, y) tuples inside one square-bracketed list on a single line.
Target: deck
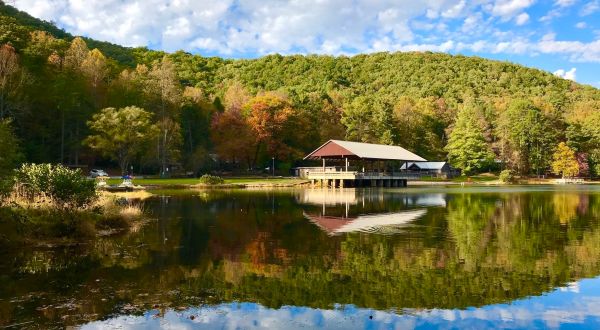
[(342, 179)]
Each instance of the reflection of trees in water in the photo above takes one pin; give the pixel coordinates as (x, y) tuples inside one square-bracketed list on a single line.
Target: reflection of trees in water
[(480, 249)]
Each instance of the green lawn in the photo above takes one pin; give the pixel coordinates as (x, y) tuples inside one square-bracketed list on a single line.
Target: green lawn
[(193, 181)]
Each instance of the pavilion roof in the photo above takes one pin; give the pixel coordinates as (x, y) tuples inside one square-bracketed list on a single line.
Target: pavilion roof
[(341, 149)]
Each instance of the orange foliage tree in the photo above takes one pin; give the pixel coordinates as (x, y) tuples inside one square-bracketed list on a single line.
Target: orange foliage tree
[(271, 118), (233, 138)]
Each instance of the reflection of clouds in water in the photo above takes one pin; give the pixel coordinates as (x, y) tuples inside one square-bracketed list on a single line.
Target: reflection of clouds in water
[(578, 309)]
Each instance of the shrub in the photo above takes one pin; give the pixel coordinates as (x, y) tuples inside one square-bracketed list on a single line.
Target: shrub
[(506, 176), (67, 188), (6, 187), (211, 179)]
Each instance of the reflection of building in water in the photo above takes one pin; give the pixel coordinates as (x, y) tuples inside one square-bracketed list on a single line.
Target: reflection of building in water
[(426, 199), (327, 197), (384, 223), (361, 197), (351, 210)]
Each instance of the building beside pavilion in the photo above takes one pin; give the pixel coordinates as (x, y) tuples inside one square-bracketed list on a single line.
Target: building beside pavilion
[(356, 164), (437, 169)]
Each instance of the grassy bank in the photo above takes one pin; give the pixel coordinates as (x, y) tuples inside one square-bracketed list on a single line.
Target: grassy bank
[(42, 223)]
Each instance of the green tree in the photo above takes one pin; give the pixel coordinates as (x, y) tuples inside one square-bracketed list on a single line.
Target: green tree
[(529, 136), (467, 148), (121, 134), (357, 118), (564, 161)]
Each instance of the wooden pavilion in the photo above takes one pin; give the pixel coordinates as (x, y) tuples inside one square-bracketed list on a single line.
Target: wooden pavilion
[(370, 157)]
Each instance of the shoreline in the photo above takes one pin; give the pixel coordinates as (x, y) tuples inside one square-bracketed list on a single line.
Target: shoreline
[(298, 183)]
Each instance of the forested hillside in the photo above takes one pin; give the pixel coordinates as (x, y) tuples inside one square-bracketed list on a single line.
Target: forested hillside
[(469, 110)]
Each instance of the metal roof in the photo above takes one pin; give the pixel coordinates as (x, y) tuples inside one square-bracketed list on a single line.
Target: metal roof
[(363, 151)]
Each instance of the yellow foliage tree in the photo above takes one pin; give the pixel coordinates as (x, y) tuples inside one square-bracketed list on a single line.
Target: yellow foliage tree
[(564, 161)]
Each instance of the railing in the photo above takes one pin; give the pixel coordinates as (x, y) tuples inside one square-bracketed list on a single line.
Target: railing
[(317, 175)]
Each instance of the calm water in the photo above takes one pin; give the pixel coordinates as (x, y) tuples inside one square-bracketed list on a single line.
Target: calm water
[(511, 257)]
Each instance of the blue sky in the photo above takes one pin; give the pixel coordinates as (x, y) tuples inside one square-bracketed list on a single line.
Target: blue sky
[(559, 36)]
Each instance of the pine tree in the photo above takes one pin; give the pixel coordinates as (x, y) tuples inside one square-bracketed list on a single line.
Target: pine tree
[(467, 148)]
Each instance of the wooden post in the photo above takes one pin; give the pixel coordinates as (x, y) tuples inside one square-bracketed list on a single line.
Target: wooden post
[(346, 164)]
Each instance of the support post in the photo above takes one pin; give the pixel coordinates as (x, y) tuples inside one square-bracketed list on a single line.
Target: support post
[(346, 164)]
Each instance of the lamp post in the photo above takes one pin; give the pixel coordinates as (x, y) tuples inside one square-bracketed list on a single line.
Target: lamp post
[(273, 165)]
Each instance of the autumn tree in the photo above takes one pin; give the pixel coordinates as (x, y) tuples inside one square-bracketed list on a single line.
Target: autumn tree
[(467, 148), (162, 84), (270, 117), (564, 161), (233, 138), (583, 131), (121, 134), (9, 78), (95, 67)]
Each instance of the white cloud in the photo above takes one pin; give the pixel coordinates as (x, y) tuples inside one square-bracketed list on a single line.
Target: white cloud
[(510, 8), (552, 14), (570, 75), (590, 8), (564, 3), (455, 10), (522, 19), (581, 25)]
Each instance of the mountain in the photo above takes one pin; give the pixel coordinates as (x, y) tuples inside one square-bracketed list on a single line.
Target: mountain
[(406, 98)]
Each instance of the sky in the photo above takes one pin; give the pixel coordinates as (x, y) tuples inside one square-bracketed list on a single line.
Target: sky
[(559, 36)]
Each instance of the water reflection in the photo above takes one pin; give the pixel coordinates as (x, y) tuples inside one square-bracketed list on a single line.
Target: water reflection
[(368, 211), (577, 306), (451, 251)]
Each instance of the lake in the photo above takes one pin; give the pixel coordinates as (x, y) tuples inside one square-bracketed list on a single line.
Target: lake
[(417, 257)]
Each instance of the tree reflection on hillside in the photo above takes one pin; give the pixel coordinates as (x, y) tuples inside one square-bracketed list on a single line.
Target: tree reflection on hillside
[(466, 249)]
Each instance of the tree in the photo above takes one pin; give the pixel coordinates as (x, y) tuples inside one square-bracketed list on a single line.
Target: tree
[(121, 134), (162, 83), (528, 135), (467, 148), (564, 161), (94, 66), (357, 118), (9, 69), (269, 116), (233, 138), (10, 156)]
